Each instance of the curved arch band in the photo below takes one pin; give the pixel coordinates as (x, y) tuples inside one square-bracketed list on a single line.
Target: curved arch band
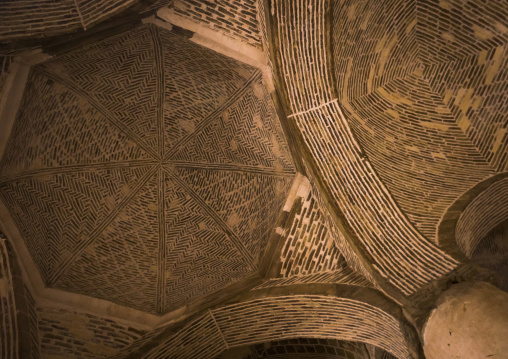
[(389, 247)]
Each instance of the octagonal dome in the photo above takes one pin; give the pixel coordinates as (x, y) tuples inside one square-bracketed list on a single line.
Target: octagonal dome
[(145, 170)]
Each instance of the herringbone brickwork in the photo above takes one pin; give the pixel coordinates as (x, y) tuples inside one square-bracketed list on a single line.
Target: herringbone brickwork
[(145, 170)]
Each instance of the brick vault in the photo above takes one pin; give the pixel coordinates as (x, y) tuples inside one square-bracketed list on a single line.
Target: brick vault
[(217, 179)]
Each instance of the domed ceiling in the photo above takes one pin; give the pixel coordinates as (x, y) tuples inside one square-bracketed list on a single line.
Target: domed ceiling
[(145, 170), (423, 84)]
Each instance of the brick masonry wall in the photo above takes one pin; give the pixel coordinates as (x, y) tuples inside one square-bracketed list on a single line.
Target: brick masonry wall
[(345, 249), (35, 18), (32, 331), (482, 228), (311, 253), (199, 339), (387, 355), (417, 148), (236, 19), (71, 334), (454, 29), (137, 345)]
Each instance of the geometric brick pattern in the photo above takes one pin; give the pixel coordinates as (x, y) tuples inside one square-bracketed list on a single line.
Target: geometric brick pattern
[(473, 88), (454, 29), (395, 252), (366, 54), (423, 183), (232, 197), (423, 86), (239, 135), (145, 170)]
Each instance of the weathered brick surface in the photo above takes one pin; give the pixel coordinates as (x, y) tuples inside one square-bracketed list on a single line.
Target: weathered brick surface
[(309, 247), (454, 29), (236, 18), (474, 89), (71, 334)]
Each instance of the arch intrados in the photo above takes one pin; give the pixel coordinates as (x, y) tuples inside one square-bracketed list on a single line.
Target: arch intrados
[(447, 226), (322, 311)]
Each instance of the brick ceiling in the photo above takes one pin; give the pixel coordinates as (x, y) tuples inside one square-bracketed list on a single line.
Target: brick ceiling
[(145, 170)]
